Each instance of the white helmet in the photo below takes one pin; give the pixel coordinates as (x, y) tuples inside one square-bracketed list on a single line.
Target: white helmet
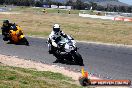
[(56, 28)]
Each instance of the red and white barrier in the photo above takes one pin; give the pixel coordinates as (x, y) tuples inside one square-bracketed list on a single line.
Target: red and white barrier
[(128, 19), (123, 19), (119, 18)]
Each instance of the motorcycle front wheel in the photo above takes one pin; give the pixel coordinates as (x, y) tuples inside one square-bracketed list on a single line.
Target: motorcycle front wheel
[(24, 41), (77, 58)]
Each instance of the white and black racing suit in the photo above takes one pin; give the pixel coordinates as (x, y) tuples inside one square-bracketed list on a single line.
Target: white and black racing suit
[(54, 39)]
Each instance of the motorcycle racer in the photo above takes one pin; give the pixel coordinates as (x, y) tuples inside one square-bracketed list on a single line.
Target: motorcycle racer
[(56, 36), (63, 47), (13, 33), (5, 29)]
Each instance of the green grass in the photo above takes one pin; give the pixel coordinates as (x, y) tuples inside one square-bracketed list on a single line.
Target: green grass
[(14, 77)]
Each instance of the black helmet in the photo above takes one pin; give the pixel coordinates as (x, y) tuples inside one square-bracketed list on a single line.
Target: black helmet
[(5, 22), (56, 28)]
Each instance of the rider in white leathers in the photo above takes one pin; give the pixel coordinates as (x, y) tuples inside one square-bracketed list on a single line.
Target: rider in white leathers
[(56, 35)]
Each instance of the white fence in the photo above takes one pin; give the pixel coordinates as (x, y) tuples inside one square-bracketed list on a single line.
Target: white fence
[(54, 6), (109, 17), (96, 16), (61, 7)]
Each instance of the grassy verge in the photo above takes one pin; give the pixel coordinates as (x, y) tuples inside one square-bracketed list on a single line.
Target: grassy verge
[(13, 77), (35, 22)]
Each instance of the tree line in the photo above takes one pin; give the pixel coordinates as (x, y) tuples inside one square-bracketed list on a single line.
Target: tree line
[(111, 8), (75, 5)]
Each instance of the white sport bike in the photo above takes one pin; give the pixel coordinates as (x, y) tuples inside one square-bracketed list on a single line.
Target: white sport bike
[(66, 50)]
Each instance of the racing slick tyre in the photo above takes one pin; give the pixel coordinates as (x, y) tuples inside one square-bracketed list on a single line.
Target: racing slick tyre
[(24, 41), (78, 59)]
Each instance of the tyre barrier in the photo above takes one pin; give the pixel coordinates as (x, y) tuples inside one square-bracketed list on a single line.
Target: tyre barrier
[(123, 19)]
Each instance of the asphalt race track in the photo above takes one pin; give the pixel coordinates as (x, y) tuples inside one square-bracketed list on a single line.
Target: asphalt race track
[(107, 62)]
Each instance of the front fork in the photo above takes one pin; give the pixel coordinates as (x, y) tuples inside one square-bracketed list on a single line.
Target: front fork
[(74, 51)]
